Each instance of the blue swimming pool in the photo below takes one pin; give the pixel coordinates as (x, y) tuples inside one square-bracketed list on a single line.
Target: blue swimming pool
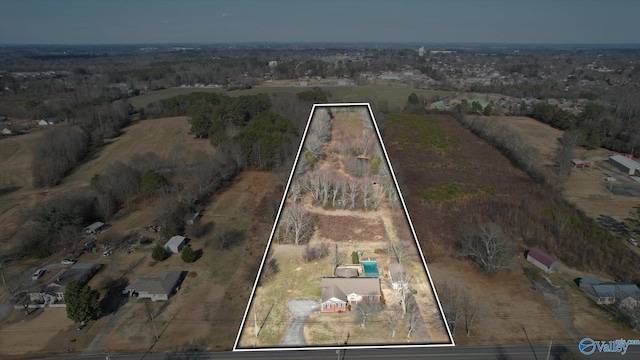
[(371, 268)]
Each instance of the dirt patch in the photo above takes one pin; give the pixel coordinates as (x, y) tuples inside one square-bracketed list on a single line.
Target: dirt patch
[(350, 228)]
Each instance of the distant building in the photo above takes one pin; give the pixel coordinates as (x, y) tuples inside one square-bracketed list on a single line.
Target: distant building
[(54, 291), (6, 131), (421, 51), (175, 244), (94, 228), (625, 164), (606, 293), (577, 163), (542, 260), (156, 288)]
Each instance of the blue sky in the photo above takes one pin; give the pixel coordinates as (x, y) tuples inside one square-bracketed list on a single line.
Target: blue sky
[(211, 21)]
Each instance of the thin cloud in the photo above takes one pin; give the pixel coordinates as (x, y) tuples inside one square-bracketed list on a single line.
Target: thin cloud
[(225, 15)]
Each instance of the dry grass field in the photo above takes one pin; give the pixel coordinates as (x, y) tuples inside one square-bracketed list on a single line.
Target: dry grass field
[(240, 205), (585, 188)]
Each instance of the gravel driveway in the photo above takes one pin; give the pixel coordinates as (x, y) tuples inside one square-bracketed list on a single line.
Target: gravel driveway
[(300, 311)]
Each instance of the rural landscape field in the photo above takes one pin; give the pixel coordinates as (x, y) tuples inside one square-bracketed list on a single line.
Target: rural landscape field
[(329, 275), (140, 187)]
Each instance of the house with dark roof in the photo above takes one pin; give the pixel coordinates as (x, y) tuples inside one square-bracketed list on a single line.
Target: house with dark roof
[(54, 291), (606, 293), (340, 294), (542, 260), (155, 287)]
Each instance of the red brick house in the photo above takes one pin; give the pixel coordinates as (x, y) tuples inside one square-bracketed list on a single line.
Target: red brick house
[(340, 294)]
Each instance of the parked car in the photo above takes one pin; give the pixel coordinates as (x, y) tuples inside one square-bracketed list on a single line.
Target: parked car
[(36, 275), (632, 241), (68, 262), (610, 178)]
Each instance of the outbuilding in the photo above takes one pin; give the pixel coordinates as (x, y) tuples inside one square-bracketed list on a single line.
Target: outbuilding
[(542, 260), (94, 228), (625, 164), (175, 244)]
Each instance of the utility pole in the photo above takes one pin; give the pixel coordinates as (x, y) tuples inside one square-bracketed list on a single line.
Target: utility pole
[(154, 325), (549, 351), (108, 355)]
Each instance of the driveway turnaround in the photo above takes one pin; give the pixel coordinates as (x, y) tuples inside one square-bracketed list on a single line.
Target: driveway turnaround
[(300, 311)]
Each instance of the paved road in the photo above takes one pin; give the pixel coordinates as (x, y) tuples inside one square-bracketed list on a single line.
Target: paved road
[(477, 352), (300, 311)]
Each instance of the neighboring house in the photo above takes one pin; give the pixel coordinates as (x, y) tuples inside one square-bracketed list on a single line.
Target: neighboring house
[(606, 293), (156, 288), (43, 122), (542, 260), (175, 244), (94, 228), (625, 164), (340, 294), (398, 276), (54, 291), (6, 131)]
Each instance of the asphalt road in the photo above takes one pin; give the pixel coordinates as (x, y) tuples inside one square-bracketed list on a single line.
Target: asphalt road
[(458, 352)]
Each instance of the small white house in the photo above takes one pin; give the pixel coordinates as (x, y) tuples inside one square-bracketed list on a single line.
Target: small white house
[(6, 131), (175, 244)]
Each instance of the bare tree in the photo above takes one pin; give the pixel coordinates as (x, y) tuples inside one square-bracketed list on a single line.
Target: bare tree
[(297, 223), (352, 192), (489, 247), (627, 308), (391, 319), (402, 281), (458, 307), (366, 310), (367, 192), (337, 259), (412, 319), (402, 251), (106, 206)]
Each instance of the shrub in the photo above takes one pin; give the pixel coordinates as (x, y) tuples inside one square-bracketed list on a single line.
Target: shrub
[(354, 258), (188, 255), (159, 253)]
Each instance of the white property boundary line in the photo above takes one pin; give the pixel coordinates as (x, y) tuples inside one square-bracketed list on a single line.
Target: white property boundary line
[(413, 232)]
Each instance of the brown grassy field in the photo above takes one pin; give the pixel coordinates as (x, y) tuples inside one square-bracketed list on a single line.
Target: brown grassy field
[(217, 275), (422, 164), (585, 188)]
